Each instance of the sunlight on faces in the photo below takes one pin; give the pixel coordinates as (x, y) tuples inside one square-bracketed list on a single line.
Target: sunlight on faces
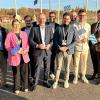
[(82, 17), (52, 17), (28, 21), (73, 15), (16, 25), (66, 20), (98, 17), (42, 19)]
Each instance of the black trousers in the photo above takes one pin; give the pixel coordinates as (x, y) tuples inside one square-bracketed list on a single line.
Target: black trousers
[(31, 63), (94, 58), (39, 61), (32, 66), (3, 67), (52, 61), (30, 76), (20, 75), (98, 60)]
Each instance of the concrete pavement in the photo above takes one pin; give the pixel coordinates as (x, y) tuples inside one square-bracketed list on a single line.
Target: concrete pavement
[(81, 91)]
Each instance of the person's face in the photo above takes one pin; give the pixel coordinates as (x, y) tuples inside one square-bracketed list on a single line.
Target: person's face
[(28, 22), (42, 19), (16, 25), (73, 16), (82, 17), (98, 17), (66, 20), (52, 17)]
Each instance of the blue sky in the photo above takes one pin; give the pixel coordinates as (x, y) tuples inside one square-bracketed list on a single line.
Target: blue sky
[(54, 4)]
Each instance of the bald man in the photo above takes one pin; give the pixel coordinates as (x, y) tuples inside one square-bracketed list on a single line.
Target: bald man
[(41, 42)]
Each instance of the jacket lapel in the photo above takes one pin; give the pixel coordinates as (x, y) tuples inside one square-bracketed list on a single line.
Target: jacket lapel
[(62, 34), (39, 34), (46, 33)]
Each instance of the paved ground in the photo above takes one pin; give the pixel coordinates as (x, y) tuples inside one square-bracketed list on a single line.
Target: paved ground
[(80, 91)]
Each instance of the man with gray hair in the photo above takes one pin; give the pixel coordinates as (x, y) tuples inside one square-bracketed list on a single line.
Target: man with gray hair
[(41, 40)]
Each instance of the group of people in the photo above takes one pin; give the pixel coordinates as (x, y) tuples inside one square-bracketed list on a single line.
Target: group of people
[(49, 46)]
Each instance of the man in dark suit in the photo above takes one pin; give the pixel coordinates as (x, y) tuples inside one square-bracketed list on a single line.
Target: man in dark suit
[(54, 25), (28, 22), (3, 54), (64, 39), (52, 21), (97, 48), (94, 28), (41, 38), (27, 29)]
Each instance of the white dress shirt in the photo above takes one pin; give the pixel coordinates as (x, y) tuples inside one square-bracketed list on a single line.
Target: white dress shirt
[(42, 31)]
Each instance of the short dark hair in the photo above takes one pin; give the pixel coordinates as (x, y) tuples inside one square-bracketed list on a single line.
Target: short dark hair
[(98, 11), (27, 16), (81, 11), (66, 14), (52, 12)]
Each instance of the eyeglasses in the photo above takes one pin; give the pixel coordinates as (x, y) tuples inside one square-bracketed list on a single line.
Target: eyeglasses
[(28, 20), (52, 16), (82, 15)]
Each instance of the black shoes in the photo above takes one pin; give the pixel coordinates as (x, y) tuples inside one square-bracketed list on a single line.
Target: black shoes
[(4, 85), (47, 84), (33, 88), (33, 85), (92, 77)]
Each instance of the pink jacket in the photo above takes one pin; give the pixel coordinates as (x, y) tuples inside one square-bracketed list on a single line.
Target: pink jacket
[(11, 42)]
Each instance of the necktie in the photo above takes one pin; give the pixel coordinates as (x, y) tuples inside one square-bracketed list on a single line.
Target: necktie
[(98, 26)]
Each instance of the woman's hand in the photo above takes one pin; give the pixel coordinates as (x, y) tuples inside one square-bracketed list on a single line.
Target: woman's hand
[(20, 51), (25, 52)]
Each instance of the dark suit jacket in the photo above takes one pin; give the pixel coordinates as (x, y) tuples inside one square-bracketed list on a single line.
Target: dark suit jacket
[(23, 28), (93, 28), (71, 38), (54, 50), (34, 24), (97, 46), (4, 33), (56, 25), (93, 31), (35, 38)]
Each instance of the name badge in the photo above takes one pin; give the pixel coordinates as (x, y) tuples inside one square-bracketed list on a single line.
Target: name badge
[(64, 42)]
